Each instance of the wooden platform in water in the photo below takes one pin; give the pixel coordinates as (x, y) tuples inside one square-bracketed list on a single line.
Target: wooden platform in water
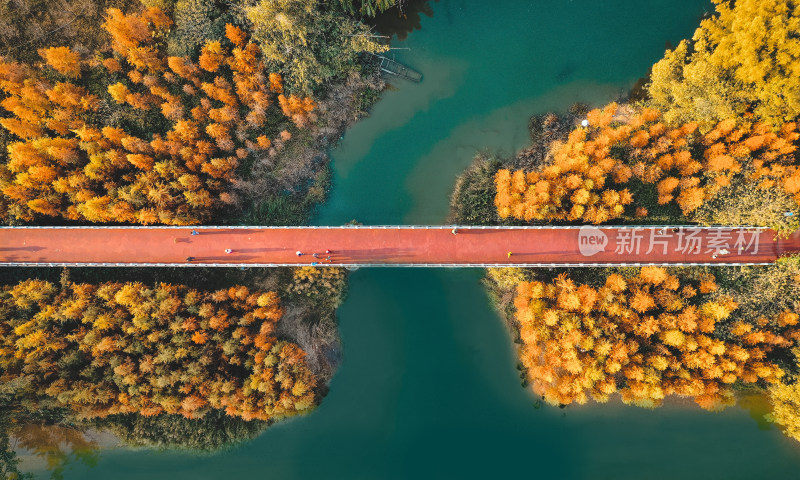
[(396, 68)]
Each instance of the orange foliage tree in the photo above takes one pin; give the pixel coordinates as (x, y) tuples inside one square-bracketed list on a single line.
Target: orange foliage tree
[(132, 348), (585, 177), (196, 124), (645, 337)]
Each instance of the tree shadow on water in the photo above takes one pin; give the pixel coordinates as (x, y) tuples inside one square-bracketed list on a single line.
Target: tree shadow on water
[(53, 447), (404, 20)]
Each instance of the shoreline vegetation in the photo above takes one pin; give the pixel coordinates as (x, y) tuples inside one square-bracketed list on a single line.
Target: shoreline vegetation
[(107, 326), (711, 138), (174, 112), (137, 135)]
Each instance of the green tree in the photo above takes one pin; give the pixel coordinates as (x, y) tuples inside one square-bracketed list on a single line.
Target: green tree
[(310, 43), (212, 432), (370, 8), (471, 202), (196, 21)]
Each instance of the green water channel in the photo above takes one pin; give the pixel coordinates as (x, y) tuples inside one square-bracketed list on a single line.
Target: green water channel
[(428, 386)]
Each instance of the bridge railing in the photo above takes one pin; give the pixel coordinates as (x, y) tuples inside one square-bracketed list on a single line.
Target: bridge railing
[(382, 265), (382, 227)]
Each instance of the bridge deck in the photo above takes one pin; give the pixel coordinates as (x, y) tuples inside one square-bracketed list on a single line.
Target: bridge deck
[(388, 246)]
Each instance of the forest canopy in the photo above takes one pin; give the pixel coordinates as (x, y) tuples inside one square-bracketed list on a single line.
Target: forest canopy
[(645, 336), (627, 161), (308, 41), (156, 140), (743, 61), (714, 141), (171, 112), (119, 348), (177, 107)]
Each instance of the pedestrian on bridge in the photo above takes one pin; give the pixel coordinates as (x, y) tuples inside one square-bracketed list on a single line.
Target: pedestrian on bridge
[(298, 253), (195, 232), (454, 231), (509, 254), (228, 250)]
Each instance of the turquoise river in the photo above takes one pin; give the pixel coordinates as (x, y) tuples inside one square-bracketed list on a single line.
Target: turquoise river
[(428, 386)]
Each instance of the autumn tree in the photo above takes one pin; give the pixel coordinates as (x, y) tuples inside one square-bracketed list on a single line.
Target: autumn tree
[(322, 286), (785, 400), (31, 25), (745, 59), (645, 336), (118, 348), (63, 60), (589, 176), (214, 115)]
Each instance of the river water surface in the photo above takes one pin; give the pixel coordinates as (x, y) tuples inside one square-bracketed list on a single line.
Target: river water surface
[(428, 386)]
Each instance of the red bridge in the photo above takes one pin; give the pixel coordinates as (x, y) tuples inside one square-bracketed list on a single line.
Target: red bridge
[(421, 246)]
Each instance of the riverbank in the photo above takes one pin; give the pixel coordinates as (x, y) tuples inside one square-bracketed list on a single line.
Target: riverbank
[(428, 368), (274, 171), (287, 188)]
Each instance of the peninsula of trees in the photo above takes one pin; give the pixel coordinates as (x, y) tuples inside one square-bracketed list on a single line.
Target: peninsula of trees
[(118, 348), (714, 141), (172, 112)]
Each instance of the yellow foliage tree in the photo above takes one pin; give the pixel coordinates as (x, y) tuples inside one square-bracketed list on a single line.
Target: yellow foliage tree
[(63, 59), (744, 59), (152, 349), (65, 161), (645, 337), (583, 181), (785, 399)]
